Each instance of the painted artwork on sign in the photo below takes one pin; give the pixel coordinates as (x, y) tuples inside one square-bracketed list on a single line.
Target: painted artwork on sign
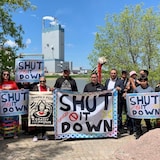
[(143, 105), (28, 70), (86, 115), (13, 102), (40, 109)]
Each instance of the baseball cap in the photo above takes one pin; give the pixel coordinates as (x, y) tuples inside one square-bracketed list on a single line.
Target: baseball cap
[(66, 70)]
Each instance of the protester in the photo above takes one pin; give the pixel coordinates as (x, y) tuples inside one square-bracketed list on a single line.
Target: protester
[(142, 88), (157, 88), (116, 83), (41, 87), (144, 72), (8, 84), (93, 86), (125, 79), (24, 118), (131, 85), (66, 82)]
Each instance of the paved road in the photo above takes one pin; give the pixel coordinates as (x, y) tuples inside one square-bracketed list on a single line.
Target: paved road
[(87, 149)]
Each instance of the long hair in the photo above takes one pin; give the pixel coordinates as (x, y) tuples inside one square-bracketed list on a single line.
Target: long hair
[(2, 79)]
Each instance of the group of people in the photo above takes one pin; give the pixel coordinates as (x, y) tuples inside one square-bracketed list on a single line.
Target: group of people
[(129, 82), (123, 85)]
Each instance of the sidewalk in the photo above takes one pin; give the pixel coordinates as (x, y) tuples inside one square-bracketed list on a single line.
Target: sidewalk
[(24, 148)]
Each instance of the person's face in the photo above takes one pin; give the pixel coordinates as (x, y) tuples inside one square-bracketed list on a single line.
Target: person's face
[(42, 81), (134, 76), (144, 83), (142, 73), (113, 74), (6, 75), (94, 78), (66, 73), (124, 75)]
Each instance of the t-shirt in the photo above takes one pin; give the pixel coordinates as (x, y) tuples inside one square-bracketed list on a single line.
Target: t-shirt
[(66, 85), (9, 85)]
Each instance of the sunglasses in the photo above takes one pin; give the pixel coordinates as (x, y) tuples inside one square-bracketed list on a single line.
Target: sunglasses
[(6, 74), (42, 81)]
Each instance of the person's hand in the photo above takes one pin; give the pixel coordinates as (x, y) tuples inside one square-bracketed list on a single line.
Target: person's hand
[(52, 89), (118, 88)]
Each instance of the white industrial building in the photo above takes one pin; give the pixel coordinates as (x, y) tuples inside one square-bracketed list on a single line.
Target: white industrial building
[(53, 46)]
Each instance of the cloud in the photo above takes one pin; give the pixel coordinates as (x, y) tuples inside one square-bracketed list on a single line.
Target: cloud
[(28, 41), (11, 43), (69, 45)]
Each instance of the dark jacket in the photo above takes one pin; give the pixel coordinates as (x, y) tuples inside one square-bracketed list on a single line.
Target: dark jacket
[(61, 79), (118, 83), (91, 87)]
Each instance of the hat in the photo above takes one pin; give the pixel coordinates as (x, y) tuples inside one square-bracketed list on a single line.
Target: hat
[(66, 69), (132, 73)]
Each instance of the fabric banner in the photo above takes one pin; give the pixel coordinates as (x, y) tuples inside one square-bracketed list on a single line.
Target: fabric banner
[(143, 105), (40, 109), (86, 115), (13, 102), (28, 70)]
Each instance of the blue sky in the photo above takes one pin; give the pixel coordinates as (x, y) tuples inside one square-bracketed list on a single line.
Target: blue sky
[(80, 20)]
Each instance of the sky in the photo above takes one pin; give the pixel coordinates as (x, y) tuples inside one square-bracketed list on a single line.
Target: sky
[(80, 20)]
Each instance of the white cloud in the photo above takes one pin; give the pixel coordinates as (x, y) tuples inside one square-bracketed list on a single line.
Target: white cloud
[(28, 41), (11, 43), (69, 45)]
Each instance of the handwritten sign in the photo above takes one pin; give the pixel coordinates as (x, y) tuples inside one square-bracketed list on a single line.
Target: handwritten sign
[(29, 70), (40, 109), (13, 102), (143, 105), (87, 115)]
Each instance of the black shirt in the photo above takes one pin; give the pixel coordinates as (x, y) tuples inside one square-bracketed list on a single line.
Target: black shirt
[(91, 87)]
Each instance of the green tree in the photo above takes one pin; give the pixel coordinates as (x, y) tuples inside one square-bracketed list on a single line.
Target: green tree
[(130, 40), (9, 30)]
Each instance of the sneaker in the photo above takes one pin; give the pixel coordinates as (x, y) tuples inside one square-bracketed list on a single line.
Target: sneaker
[(45, 138), (35, 139)]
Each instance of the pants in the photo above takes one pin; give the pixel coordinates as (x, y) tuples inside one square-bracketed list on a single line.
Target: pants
[(138, 125), (39, 130)]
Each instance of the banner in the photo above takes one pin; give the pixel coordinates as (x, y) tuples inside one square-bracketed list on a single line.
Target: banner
[(40, 109), (13, 102), (86, 115), (143, 105), (28, 70)]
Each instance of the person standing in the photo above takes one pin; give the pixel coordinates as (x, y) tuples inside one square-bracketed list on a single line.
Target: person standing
[(142, 88), (66, 82), (8, 84), (93, 86), (131, 85), (125, 80), (116, 83), (41, 87)]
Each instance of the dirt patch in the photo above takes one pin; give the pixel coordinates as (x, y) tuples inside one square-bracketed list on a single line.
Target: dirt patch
[(147, 147)]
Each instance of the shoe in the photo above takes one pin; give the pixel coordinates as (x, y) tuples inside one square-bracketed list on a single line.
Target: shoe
[(137, 136), (35, 139), (130, 131), (45, 138)]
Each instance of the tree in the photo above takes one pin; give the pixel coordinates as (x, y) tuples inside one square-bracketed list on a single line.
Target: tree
[(130, 40), (9, 29)]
